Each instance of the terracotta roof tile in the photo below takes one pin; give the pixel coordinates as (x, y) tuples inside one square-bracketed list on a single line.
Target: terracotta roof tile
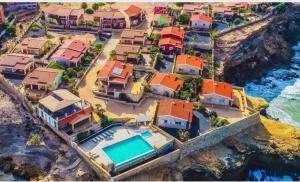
[(173, 31), (133, 10), (167, 80), (175, 108), (190, 60), (215, 87), (201, 18), (171, 41)]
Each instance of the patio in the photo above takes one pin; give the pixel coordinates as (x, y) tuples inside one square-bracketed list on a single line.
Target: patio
[(165, 65)]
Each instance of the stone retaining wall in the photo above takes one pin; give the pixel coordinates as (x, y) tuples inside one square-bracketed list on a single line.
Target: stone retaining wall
[(217, 135)]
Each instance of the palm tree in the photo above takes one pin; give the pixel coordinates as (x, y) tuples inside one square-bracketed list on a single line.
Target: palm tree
[(113, 54), (45, 28), (213, 34), (183, 135), (100, 110)]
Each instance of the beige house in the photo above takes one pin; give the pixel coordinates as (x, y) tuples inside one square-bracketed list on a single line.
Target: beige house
[(18, 64), (126, 52), (130, 36), (35, 46)]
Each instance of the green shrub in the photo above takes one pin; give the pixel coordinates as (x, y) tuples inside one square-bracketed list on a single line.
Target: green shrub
[(83, 135), (57, 65), (237, 21), (183, 19), (35, 139), (89, 11), (105, 121)]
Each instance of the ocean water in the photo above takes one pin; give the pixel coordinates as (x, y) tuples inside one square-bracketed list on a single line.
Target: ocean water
[(280, 86)]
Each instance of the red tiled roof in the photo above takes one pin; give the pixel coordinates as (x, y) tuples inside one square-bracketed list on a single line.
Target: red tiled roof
[(215, 87), (173, 31), (175, 108), (167, 80), (171, 41), (201, 18), (133, 10), (75, 117), (72, 50), (107, 72), (190, 60)]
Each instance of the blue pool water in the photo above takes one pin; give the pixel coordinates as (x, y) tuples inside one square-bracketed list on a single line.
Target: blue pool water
[(129, 150), (146, 134)]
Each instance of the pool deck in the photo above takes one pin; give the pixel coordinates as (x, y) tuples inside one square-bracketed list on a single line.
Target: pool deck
[(120, 133)]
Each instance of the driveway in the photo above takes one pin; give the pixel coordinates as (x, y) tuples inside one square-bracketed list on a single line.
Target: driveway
[(113, 109)]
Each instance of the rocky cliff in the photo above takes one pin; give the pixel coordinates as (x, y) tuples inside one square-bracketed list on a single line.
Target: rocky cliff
[(52, 160), (249, 51)]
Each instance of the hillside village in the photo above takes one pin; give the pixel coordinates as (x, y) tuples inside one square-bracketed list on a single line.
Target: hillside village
[(111, 78)]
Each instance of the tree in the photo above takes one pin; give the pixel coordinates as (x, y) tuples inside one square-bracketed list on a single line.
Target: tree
[(95, 6), (241, 10), (70, 72), (89, 11), (155, 37), (99, 109), (84, 5), (213, 34), (183, 19), (183, 135), (113, 54), (56, 65), (105, 121), (190, 50), (237, 21), (98, 45), (61, 39), (35, 139), (11, 30)]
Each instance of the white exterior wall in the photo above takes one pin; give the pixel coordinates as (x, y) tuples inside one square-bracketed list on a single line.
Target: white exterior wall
[(47, 118), (201, 24), (215, 99), (187, 69), (161, 90), (170, 122)]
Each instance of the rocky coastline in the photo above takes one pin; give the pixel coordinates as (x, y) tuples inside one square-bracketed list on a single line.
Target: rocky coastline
[(250, 54), (271, 143), (52, 160)]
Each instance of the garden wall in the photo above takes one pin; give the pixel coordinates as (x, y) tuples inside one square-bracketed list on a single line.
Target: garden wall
[(217, 135)]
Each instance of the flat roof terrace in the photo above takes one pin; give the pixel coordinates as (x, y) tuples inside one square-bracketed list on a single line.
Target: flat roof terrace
[(121, 147)]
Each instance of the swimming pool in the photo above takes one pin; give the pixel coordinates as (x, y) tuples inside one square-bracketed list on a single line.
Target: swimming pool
[(129, 151), (146, 134)]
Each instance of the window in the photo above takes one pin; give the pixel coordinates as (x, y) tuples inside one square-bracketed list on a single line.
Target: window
[(192, 71), (166, 121), (177, 122)]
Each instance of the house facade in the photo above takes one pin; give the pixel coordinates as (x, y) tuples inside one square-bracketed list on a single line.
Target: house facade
[(2, 16), (165, 84), (126, 52), (218, 93), (201, 22), (65, 111), (189, 64), (18, 64), (130, 36), (174, 114), (135, 14), (197, 8), (70, 53), (60, 15), (35, 46), (171, 40), (109, 20)]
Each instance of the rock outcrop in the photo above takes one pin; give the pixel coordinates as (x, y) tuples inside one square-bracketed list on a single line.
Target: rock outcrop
[(54, 160), (249, 51)]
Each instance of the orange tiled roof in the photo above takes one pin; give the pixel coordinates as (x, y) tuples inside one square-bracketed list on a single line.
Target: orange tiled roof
[(215, 87), (190, 60), (75, 117), (201, 18), (133, 10), (171, 41), (173, 31), (167, 80), (124, 71), (175, 108)]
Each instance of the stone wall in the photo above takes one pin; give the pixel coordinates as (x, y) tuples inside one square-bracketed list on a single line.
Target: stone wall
[(165, 159), (217, 135)]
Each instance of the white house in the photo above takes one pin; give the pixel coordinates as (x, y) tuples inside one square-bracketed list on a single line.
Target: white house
[(188, 64), (175, 114), (201, 21), (218, 93), (165, 84)]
